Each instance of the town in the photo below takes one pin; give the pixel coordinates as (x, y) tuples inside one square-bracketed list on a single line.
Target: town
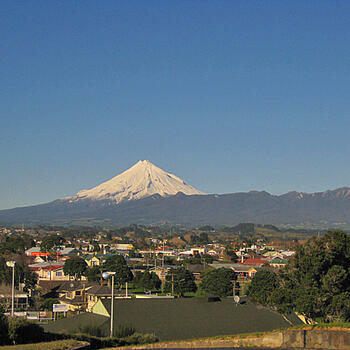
[(55, 258)]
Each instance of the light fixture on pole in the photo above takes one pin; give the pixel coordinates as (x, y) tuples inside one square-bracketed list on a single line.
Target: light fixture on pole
[(12, 264), (105, 276)]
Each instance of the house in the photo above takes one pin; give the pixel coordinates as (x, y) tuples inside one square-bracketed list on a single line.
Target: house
[(101, 292), (49, 271), (278, 263), (73, 294)]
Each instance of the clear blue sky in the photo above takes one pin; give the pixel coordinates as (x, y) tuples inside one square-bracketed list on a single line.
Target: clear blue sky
[(228, 95)]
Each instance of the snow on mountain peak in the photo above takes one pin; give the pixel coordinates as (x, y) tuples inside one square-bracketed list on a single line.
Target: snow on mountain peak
[(144, 179)]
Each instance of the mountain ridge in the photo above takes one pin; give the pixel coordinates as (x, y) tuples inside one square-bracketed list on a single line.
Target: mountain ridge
[(146, 194)]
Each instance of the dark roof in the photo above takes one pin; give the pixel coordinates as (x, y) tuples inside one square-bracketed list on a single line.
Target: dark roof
[(70, 286), (78, 300), (99, 290)]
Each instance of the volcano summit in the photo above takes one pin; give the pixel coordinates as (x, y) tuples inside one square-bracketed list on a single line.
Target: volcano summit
[(142, 180)]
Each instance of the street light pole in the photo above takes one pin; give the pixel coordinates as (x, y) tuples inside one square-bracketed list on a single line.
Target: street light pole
[(112, 307), (12, 264), (106, 275)]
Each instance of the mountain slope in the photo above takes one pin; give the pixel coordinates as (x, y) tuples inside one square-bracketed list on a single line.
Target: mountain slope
[(322, 208), (142, 180)]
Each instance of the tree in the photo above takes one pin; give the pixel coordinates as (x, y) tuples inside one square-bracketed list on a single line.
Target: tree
[(21, 331), (262, 286), (199, 259), (315, 283), (231, 253), (22, 274), (117, 263), (93, 274), (147, 280), (219, 281), (181, 279), (51, 243), (75, 266), (48, 303)]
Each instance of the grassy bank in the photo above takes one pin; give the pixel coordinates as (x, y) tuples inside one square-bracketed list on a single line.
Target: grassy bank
[(54, 345)]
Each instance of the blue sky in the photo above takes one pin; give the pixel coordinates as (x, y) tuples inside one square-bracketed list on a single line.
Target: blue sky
[(228, 95)]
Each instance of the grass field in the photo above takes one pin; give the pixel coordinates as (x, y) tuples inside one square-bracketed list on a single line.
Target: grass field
[(184, 318), (54, 345)]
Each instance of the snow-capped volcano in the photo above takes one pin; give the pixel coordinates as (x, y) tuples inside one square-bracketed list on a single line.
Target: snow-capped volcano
[(143, 179)]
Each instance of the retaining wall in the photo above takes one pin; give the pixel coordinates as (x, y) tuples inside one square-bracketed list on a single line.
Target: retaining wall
[(297, 339)]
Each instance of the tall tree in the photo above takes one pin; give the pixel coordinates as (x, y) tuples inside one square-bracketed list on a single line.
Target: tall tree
[(117, 263), (51, 243), (219, 282), (75, 266), (181, 280)]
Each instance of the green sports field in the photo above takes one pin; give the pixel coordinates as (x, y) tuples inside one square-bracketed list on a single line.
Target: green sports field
[(185, 318)]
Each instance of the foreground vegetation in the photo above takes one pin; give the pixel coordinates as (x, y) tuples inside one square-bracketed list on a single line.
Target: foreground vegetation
[(315, 283)]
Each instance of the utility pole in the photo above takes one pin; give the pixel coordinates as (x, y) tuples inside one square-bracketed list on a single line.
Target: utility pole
[(172, 284)]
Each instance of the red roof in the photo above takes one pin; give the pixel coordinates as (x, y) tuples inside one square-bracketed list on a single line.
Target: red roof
[(254, 261), (52, 267)]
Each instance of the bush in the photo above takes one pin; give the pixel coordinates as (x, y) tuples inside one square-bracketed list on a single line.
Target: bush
[(48, 303), (91, 330), (21, 331), (4, 328), (138, 338), (124, 331)]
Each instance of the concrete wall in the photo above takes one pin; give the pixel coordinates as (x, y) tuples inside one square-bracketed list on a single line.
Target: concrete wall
[(300, 339)]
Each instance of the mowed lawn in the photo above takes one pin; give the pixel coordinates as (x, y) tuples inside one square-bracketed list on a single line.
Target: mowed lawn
[(185, 318)]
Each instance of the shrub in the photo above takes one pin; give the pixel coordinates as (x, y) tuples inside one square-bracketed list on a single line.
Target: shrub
[(91, 330), (48, 303), (138, 338), (21, 331), (4, 328), (124, 331)]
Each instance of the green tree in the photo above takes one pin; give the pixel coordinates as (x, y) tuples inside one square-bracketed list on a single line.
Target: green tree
[(231, 253), (51, 243), (22, 274), (315, 283), (93, 274), (262, 286), (117, 263), (147, 280), (182, 279), (48, 303), (219, 281), (21, 331), (75, 266)]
